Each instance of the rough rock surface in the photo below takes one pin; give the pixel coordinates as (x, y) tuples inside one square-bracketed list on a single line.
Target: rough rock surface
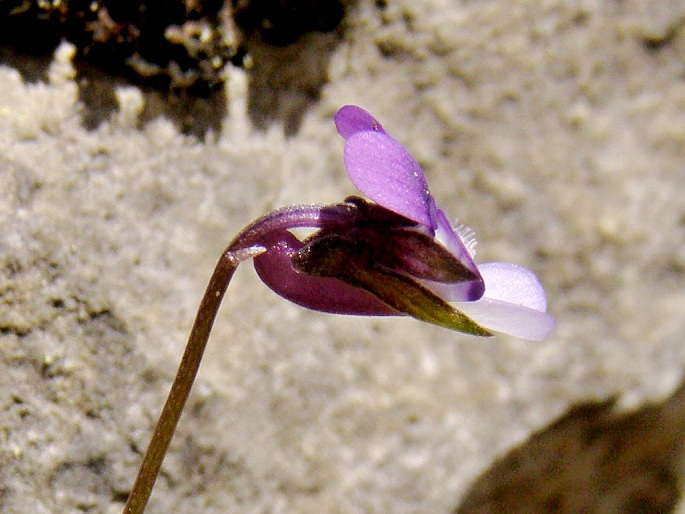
[(555, 130)]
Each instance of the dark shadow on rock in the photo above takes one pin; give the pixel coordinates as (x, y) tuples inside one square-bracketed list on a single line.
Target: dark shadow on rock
[(282, 22), (192, 114), (178, 52), (175, 51), (286, 80), (592, 460), (290, 43), (32, 68)]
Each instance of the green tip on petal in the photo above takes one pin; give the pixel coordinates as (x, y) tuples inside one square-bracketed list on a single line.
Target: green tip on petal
[(342, 258)]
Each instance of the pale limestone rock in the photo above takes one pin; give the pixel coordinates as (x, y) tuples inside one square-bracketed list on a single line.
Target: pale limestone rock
[(552, 129)]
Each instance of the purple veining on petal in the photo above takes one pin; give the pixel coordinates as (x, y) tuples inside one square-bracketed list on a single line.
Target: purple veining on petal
[(386, 172), (351, 119), (456, 292), (275, 269)]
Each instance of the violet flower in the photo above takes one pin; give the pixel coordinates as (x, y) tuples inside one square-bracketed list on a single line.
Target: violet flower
[(397, 255)]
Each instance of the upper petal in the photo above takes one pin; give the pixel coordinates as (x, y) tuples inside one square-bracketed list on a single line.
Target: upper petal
[(386, 172), (351, 119)]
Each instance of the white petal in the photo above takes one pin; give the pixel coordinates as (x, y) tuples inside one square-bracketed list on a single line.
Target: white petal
[(508, 318), (513, 284)]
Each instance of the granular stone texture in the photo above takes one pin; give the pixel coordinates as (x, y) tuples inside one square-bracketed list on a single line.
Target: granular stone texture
[(555, 130)]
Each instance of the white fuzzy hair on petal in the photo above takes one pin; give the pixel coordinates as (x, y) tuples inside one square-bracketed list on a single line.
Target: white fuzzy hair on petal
[(468, 237)]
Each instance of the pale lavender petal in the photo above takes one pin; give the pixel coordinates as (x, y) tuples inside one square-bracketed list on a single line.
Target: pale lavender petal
[(513, 303), (513, 284), (508, 318), (386, 172), (446, 236), (351, 119), (324, 294), (461, 291)]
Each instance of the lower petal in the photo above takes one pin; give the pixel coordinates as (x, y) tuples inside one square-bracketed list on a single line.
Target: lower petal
[(514, 284), (509, 318)]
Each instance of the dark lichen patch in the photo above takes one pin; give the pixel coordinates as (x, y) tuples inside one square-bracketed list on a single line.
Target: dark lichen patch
[(285, 80), (180, 49), (176, 45), (282, 22), (192, 114)]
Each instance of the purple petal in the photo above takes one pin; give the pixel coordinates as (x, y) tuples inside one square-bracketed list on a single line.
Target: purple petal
[(449, 239), (466, 291), (324, 294), (386, 172), (351, 119)]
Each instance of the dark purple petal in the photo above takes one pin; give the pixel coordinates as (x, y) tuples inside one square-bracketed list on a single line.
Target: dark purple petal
[(342, 258), (351, 119), (386, 172), (415, 254), (373, 215), (469, 291), (324, 294), (397, 243)]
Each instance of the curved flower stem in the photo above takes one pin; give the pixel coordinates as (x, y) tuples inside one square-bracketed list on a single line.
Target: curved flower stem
[(245, 246), (180, 389)]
